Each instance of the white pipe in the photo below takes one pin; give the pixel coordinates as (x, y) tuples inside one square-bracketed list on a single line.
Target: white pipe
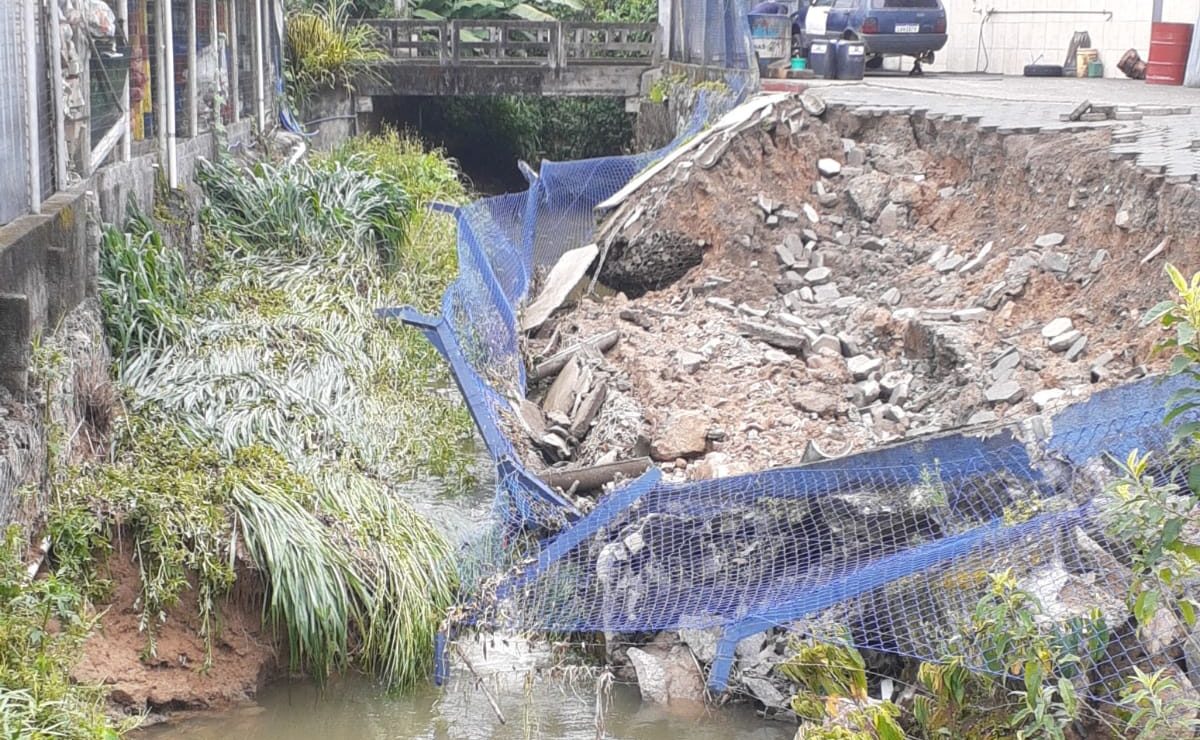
[(56, 92), (215, 52), (260, 104), (193, 92), (31, 106), (169, 76), (160, 92), (235, 65), (123, 16)]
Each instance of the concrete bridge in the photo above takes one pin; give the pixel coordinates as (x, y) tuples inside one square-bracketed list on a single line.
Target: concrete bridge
[(462, 57)]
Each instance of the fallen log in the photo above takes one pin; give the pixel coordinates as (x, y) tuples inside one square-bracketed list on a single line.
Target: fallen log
[(603, 342)]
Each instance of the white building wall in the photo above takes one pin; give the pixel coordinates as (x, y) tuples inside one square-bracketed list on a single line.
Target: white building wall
[(1004, 42)]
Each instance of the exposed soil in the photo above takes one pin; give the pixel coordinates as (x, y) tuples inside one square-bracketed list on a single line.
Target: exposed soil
[(739, 357), (244, 655)]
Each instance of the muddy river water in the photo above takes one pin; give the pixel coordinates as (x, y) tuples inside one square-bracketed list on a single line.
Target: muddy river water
[(548, 708)]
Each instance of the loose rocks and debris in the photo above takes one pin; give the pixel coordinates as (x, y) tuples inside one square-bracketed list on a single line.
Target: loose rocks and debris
[(764, 294), (794, 289)]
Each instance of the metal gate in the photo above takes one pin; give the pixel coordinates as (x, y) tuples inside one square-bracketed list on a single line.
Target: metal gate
[(14, 151)]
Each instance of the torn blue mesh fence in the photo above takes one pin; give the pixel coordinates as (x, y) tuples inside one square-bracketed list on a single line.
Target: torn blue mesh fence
[(892, 546)]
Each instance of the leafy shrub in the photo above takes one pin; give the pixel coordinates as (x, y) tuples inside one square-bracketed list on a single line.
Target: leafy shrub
[(143, 288), (41, 631), (325, 48)]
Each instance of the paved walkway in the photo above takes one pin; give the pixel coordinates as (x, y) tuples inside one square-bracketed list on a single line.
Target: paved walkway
[(1158, 127)]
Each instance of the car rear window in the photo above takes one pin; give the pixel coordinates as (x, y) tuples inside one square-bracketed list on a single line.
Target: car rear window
[(897, 4)]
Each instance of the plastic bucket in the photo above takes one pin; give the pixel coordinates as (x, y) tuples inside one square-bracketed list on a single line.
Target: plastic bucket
[(1095, 69), (799, 63), (1083, 58), (1170, 44)]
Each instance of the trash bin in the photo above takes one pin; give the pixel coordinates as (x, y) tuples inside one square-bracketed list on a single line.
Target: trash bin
[(771, 35), (851, 60), (822, 60)]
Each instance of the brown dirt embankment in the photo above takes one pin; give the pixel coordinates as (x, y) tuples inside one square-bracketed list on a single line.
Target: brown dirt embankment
[(116, 655)]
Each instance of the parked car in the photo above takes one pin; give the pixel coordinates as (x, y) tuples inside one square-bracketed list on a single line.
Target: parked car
[(914, 28)]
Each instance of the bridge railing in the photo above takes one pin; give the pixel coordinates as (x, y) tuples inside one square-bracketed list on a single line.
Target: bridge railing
[(524, 43)]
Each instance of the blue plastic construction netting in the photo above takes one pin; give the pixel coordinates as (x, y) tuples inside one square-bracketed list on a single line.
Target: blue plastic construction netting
[(891, 547)]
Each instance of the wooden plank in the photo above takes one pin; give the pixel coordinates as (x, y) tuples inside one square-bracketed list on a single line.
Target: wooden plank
[(603, 342), (594, 477)]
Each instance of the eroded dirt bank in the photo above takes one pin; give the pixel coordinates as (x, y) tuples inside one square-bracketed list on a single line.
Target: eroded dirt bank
[(799, 287)]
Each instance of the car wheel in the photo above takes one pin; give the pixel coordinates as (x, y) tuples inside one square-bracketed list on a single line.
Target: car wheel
[(1043, 70), (875, 62)]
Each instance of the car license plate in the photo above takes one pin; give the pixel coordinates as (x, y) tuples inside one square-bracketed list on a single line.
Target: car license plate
[(908, 28)]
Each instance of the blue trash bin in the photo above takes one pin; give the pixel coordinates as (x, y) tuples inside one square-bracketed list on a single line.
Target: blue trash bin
[(822, 59), (851, 60), (771, 35)]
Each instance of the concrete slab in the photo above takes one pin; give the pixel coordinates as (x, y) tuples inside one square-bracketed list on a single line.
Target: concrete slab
[(1158, 127)]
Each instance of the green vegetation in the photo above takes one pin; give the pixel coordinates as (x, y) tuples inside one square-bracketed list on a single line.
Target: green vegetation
[(142, 289), (41, 629), (325, 48), (269, 418)]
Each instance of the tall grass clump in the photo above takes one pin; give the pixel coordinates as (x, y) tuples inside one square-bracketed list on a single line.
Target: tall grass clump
[(325, 48), (337, 210), (143, 288)]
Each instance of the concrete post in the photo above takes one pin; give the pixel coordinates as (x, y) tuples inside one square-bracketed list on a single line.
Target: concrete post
[(15, 336)]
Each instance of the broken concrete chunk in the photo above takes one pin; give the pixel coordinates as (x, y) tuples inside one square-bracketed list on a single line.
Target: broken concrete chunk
[(1098, 260), (1042, 399), (776, 336), (949, 264), (970, 314), (1057, 327), (689, 362), (684, 434), (722, 303), (865, 393), (826, 293), (818, 276), (816, 402), (560, 399), (978, 261), (1076, 349), (1098, 370), (1056, 262), (829, 167), (1122, 220), (767, 205), (826, 344), (861, 366), (1047, 241), (1005, 392), (811, 214), (890, 297), (938, 255), (983, 417), (1063, 342)]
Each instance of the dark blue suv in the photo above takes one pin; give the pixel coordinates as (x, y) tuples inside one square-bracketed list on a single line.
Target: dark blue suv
[(915, 28)]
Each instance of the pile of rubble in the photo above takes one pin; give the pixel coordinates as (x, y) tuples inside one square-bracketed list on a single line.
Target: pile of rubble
[(787, 293), (794, 285)]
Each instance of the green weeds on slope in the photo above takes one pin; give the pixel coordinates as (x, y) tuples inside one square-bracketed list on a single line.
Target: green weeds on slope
[(270, 415)]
